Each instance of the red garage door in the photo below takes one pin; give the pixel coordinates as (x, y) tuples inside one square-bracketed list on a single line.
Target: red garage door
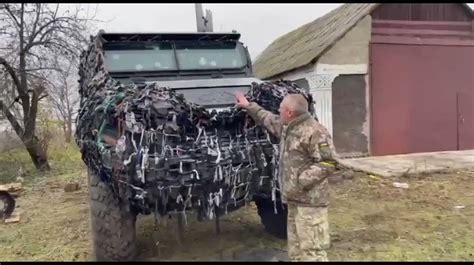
[(421, 98)]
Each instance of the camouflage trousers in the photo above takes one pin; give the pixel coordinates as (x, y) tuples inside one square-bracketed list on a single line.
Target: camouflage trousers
[(308, 233)]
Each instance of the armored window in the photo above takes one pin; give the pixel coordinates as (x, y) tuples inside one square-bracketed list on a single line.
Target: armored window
[(205, 55), (139, 57)]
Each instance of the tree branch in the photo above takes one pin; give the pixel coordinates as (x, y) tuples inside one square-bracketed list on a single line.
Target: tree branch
[(53, 20), (22, 23), (41, 68), (35, 24), (35, 43), (30, 123), (11, 118), (10, 13), (12, 73), (43, 96)]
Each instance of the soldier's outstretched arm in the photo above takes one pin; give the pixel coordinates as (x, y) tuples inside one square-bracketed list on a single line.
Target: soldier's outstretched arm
[(262, 117), (265, 118)]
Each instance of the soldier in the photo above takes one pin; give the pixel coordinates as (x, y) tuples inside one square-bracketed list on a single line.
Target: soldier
[(305, 149)]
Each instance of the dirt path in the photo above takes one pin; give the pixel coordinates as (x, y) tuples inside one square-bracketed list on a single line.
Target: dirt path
[(370, 220)]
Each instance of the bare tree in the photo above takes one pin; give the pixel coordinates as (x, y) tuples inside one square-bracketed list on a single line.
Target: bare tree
[(7, 94), (64, 96), (32, 36)]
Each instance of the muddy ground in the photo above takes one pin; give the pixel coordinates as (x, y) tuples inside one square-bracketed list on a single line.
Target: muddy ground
[(369, 218)]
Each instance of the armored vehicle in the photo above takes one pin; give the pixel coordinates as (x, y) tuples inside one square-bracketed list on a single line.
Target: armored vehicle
[(159, 133)]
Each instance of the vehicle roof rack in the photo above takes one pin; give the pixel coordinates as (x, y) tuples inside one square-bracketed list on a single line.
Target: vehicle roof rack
[(193, 36)]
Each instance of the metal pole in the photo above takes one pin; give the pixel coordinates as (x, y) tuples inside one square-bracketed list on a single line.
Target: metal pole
[(199, 18)]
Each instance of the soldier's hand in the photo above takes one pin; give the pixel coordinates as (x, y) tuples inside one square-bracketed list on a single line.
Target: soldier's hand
[(242, 102)]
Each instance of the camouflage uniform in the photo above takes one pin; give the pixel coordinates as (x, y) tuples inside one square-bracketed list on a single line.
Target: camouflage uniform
[(304, 146)]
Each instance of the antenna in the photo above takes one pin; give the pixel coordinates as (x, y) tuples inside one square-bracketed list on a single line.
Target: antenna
[(204, 23)]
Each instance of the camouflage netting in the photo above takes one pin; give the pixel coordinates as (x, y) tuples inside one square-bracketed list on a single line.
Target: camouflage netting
[(155, 148)]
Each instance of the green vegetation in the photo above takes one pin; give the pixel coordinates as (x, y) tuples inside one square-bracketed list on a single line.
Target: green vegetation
[(65, 159)]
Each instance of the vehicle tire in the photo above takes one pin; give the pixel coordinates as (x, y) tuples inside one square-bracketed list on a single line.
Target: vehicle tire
[(275, 224), (7, 204), (113, 224)]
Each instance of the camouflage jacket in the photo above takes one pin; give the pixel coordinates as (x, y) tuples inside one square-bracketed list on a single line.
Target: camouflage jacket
[(305, 148)]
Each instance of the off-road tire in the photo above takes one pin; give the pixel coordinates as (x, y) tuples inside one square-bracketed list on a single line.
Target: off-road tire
[(275, 224), (8, 204), (113, 224)]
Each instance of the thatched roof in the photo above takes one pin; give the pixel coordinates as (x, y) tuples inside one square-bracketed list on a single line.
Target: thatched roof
[(305, 44)]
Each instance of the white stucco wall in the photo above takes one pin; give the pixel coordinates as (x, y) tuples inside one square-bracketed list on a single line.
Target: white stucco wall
[(349, 55)]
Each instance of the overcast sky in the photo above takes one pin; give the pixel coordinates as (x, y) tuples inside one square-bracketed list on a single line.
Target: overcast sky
[(259, 24)]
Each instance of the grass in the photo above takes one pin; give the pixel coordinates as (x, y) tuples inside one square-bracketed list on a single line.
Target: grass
[(53, 223), (64, 159), (370, 220)]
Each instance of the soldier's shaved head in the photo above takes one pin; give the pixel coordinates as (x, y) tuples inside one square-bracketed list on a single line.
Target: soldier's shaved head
[(292, 106), (296, 103)]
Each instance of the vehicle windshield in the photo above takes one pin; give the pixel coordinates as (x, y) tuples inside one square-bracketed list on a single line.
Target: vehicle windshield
[(209, 55), (167, 56), (140, 57)]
